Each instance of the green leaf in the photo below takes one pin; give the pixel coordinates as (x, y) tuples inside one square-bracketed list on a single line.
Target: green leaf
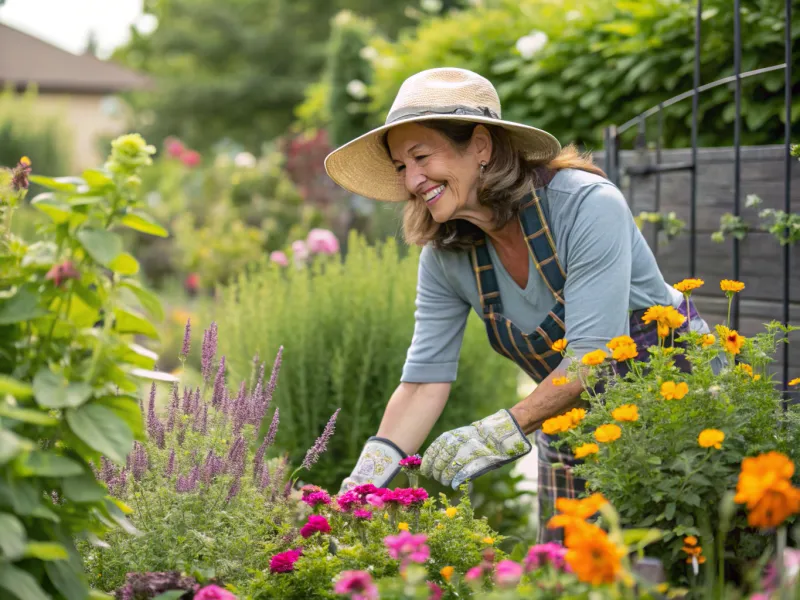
[(12, 536), (145, 223), (101, 429), (124, 264), (10, 445), (654, 460), (20, 583), (42, 512), (46, 551), (139, 356), (103, 246), (27, 415), (20, 494), (640, 538), (49, 464), (14, 387), (171, 595), (669, 512), (54, 183), (128, 322), (98, 595), (58, 210), (55, 391), (127, 409), (22, 306), (67, 579), (148, 299), (83, 488), (96, 179)]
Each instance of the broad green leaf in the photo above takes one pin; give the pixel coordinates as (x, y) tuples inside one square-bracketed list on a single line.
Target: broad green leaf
[(124, 264), (20, 584), (27, 415), (96, 179), (49, 464), (101, 429), (22, 306), (42, 512), (90, 297), (54, 183), (81, 200), (103, 246), (12, 536), (14, 387), (82, 315), (46, 551), (98, 595), (83, 488), (58, 210), (10, 445), (128, 322), (40, 254), (67, 579), (23, 497), (639, 538), (55, 391), (127, 409), (148, 299), (145, 223)]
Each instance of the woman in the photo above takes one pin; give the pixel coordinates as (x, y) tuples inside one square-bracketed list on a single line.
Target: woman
[(532, 237)]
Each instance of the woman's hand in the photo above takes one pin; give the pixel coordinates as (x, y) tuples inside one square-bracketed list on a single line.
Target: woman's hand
[(469, 452)]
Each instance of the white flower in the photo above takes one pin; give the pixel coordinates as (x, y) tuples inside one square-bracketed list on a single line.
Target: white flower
[(368, 53), (573, 15), (530, 44), (431, 6), (245, 160), (357, 89)]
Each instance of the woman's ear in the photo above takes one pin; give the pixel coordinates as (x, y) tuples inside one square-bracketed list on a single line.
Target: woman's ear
[(482, 144)]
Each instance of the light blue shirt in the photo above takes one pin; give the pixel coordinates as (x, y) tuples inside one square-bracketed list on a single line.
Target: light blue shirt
[(610, 271)]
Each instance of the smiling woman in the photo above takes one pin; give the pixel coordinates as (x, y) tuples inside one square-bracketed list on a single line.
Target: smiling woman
[(531, 236)]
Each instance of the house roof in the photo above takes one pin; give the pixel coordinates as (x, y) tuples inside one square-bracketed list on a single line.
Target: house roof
[(25, 59)]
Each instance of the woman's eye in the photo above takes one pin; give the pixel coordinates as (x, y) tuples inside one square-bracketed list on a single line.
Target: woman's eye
[(421, 157), (399, 168)]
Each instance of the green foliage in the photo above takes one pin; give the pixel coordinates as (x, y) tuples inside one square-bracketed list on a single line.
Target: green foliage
[(668, 224), (346, 327), (69, 313)]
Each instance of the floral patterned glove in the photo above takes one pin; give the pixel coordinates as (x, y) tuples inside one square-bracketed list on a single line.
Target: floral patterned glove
[(378, 464), (471, 451)]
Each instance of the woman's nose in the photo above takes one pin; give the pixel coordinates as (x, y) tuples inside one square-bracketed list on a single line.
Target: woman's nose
[(414, 178)]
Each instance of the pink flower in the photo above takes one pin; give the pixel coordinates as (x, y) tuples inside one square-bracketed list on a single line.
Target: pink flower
[(436, 591), (316, 523), (507, 573), (543, 554), (362, 514), (284, 562), (213, 592), (406, 496), (367, 488), (315, 498), (408, 547), (174, 147), (190, 158), (411, 462), (300, 251), (61, 272), (322, 241), (279, 258), (375, 500), (357, 583), (473, 574)]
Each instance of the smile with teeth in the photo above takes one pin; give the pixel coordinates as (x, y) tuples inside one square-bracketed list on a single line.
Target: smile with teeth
[(433, 194)]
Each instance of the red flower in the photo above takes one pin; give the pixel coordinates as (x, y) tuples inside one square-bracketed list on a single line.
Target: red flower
[(316, 523), (284, 562), (190, 158), (174, 147), (65, 270)]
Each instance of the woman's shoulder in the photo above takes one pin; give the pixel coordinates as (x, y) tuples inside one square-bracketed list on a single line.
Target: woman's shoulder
[(570, 181)]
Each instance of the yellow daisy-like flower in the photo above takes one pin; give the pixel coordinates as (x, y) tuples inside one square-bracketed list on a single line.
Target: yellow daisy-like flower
[(594, 358), (621, 340), (585, 450), (687, 285), (674, 391), (559, 381), (626, 412), (402, 526), (731, 340), (607, 433), (563, 422), (748, 370), (447, 573), (576, 415), (25, 161), (795, 381), (731, 286), (708, 340), (559, 345), (711, 438), (623, 353), (451, 511), (488, 540), (666, 317)]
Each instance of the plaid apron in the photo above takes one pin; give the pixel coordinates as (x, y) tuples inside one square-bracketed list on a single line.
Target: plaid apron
[(533, 353)]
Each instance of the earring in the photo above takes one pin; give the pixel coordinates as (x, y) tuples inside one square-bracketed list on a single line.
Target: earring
[(483, 168)]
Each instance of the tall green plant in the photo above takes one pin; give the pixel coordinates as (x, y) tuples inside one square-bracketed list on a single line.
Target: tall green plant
[(69, 312), (346, 327)]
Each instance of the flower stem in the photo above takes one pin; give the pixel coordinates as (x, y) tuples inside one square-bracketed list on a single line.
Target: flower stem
[(728, 318), (780, 563)]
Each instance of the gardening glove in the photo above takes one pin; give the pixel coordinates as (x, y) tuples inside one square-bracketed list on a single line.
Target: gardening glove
[(471, 451), (378, 464)]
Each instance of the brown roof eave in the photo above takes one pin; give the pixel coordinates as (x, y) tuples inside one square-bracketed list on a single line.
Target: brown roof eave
[(65, 88)]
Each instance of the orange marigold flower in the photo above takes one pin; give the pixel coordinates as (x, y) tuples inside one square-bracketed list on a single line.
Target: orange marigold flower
[(693, 550), (687, 285), (795, 381), (731, 286), (765, 487), (622, 353), (594, 358), (572, 510), (607, 433), (731, 340), (667, 317), (690, 540), (447, 573), (559, 381), (576, 415), (559, 345), (593, 557), (748, 370), (626, 412), (557, 424), (711, 438), (585, 450), (674, 391), (621, 340), (708, 340)]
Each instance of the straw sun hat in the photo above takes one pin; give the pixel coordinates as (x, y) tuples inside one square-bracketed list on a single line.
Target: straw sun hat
[(363, 166)]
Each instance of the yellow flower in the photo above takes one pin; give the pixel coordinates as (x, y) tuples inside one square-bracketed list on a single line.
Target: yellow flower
[(25, 161), (447, 573), (488, 540), (666, 317), (594, 358), (709, 438), (731, 286), (576, 415), (687, 285), (748, 370), (563, 422), (451, 511), (621, 340), (559, 345), (585, 450), (627, 352), (690, 540), (593, 557), (795, 381), (386, 516), (765, 486), (731, 340), (708, 340), (440, 526), (626, 412), (402, 526), (560, 381), (607, 433), (674, 391)]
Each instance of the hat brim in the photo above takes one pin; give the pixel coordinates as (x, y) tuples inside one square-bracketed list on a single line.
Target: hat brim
[(362, 166)]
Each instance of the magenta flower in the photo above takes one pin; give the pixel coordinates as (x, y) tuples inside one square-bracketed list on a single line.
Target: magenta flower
[(279, 258), (406, 496), (190, 158), (284, 561), (174, 147), (314, 499), (368, 488), (61, 272), (473, 574), (436, 591), (322, 241), (375, 500), (213, 592), (408, 547), (358, 584), (411, 462), (348, 500), (316, 523), (543, 554), (365, 515), (507, 573)]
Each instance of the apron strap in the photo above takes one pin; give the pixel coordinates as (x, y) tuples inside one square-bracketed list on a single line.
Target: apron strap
[(542, 246)]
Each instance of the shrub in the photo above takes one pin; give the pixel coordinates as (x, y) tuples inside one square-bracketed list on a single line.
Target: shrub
[(69, 312), (347, 326)]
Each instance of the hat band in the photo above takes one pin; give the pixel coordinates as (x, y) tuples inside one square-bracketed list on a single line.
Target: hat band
[(417, 111)]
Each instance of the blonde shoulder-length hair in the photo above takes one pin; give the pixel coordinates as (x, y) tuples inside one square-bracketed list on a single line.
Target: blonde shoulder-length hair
[(507, 179)]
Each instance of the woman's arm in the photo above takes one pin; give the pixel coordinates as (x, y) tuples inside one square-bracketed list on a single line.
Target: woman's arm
[(546, 401), (412, 412)]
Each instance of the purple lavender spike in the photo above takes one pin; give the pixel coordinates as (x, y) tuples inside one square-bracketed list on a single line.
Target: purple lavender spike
[(287, 489), (194, 476), (139, 461), (151, 412), (204, 420), (277, 480), (187, 339), (181, 433), (258, 459), (240, 409), (257, 405), (185, 484), (219, 384), (160, 438), (233, 491), (141, 407), (273, 427), (263, 484), (186, 406), (312, 456), (174, 401), (170, 464), (235, 458), (108, 471), (196, 400), (273, 379), (209, 351)]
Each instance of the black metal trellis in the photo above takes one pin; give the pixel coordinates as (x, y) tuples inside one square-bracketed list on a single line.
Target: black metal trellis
[(612, 136)]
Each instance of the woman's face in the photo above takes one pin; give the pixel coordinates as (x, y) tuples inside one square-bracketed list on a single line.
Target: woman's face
[(436, 172)]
